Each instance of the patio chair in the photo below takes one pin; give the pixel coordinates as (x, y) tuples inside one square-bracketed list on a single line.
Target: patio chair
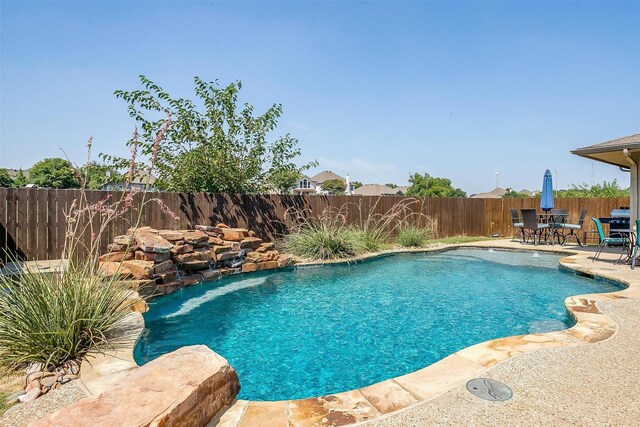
[(574, 228), (608, 241), (531, 226), (558, 218), (517, 224), (634, 253)]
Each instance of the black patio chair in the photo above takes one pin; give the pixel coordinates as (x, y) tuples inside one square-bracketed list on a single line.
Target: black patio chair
[(557, 220), (574, 229), (532, 228), (517, 224)]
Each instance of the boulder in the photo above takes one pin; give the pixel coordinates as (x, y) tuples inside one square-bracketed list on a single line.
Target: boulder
[(227, 255), (131, 230), (235, 246), (194, 265), (209, 274), (254, 257), (248, 267), (192, 279), (268, 246), (165, 277), (187, 387), (151, 242), (230, 271), (250, 243), (30, 396), (171, 235), (162, 267), (196, 255), (116, 256), (234, 234), (219, 249), (268, 265), (167, 288), (131, 269), (195, 236), (270, 255), (150, 256), (181, 249), (285, 260), (216, 241), (123, 240)]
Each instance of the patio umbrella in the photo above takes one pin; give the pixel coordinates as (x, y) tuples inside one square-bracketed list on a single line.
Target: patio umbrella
[(546, 201)]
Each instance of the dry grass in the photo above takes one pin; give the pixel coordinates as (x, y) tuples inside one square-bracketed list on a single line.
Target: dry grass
[(11, 382)]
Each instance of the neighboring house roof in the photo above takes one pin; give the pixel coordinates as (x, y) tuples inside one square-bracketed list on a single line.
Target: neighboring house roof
[(138, 179), (527, 192), (14, 172), (403, 189), (496, 193), (611, 151), (326, 176), (376, 190)]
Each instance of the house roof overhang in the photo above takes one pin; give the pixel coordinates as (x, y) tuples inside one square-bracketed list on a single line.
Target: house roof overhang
[(611, 152)]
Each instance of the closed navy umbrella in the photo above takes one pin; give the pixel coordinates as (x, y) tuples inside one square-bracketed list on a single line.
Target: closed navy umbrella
[(546, 201)]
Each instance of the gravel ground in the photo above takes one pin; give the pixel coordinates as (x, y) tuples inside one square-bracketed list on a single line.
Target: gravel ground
[(23, 414), (597, 384)]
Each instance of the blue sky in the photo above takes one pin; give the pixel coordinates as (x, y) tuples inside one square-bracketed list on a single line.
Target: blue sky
[(375, 89)]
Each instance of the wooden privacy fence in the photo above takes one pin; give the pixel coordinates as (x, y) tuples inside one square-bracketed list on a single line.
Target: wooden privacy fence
[(33, 225)]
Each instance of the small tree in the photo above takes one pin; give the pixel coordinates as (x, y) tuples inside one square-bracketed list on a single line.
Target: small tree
[(428, 186), (53, 173), (512, 194), (97, 175), (5, 179), (334, 187), (391, 185), (220, 148), (20, 179), (356, 184)]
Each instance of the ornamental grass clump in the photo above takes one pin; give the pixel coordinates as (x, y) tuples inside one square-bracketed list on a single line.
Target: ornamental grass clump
[(325, 237), (51, 319), (413, 236)]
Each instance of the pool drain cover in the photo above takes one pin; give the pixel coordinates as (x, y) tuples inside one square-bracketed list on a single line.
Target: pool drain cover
[(487, 389)]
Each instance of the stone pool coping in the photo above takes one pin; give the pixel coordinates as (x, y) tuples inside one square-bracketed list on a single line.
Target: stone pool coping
[(382, 399)]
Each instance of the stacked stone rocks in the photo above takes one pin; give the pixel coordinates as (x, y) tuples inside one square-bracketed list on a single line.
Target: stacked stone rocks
[(162, 261)]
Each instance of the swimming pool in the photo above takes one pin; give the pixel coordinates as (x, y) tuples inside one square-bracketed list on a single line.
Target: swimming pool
[(318, 330)]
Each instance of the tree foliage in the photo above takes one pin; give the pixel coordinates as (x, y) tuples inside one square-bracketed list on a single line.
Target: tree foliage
[(512, 194), (5, 178), (335, 187), (606, 189), (97, 175), (391, 185), (428, 186), (219, 147), (53, 173), (356, 184), (20, 180)]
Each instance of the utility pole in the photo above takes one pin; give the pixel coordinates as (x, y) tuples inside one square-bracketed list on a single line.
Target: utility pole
[(497, 179)]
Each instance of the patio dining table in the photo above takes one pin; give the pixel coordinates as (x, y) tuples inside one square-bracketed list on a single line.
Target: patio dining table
[(550, 218), (631, 237)]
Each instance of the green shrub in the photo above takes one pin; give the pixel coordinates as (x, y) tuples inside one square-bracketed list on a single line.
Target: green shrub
[(319, 241), (54, 318), (413, 236)]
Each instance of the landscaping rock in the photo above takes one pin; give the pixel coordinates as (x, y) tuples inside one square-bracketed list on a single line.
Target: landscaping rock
[(114, 247), (123, 240), (151, 242), (268, 246), (230, 271), (234, 246), (254, 257), (196, 255), (268, 265), (115, 256), (131, 230), (216, 241), (171, 235), (194, 265), (234, 234), (181, 249), (248, 267), (166, 277), (139, 269), (250, 243), (210, 274), (191, 280), (285, 260), (110, 268), (150, 256), (270, 255), (187, 387), (227, 255), (162, 267), (30, 396), (219, 249), (205, 227), (194, 236), (221, 225)]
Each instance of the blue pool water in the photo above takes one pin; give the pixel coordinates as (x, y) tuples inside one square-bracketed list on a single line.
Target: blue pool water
[(313, 331)]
